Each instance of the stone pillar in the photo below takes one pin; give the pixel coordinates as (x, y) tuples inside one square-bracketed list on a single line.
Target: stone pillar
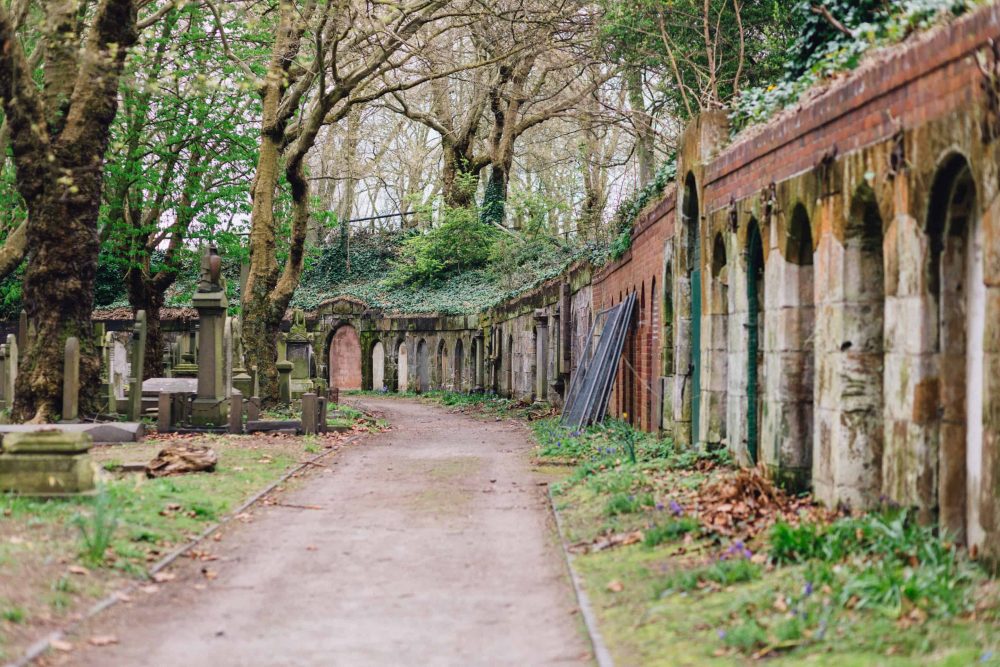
[(12, 363), (541, 355), (210, 407), (135, 366), (236, 413), (163, 421), (4, 403), (71, 382), (109, 357), (477, 363), (227, 358), (309, 413), (285, 381)]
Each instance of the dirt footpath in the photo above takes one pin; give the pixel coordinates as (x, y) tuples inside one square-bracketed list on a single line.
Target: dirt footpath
[(433, 545)]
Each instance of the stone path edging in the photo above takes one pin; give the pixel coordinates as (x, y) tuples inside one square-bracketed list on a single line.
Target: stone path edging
[(37, 649), (601, 653)]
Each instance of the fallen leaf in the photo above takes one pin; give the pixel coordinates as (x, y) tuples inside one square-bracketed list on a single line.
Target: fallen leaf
[(103, 640), (150, 589), (162, 577), (311, 548), (616, 586), (209, 574), (78, 569), (61, 645)]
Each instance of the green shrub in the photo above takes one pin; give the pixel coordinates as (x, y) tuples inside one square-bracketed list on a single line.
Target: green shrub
[(621, 503), (459, 243), (97, 529), (670, 530)]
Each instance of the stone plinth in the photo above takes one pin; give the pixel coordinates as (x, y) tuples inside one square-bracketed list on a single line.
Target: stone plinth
[(46, 463), (210, 407)]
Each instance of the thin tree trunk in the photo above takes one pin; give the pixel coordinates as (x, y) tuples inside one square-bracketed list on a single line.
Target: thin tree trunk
[(643, 126)]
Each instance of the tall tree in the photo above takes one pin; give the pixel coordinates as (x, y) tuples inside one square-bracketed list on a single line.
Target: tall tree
[(326, 57), (59, 133)]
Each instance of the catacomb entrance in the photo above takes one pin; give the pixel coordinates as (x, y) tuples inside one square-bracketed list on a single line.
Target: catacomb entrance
[(345, 358)]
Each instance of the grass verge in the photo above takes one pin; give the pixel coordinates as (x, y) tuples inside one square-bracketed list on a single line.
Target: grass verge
[(59, 556), (690, 561)]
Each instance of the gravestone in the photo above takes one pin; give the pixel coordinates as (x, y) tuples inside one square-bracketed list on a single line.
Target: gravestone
[(110, 391), (71, 381), (298, 351), (187, 365), (236, 413), (11, 374), (242, 380), (46, 463), (284, 381), (253, 409), (210, 407), (309, 413), (136, 360), (164, 422)]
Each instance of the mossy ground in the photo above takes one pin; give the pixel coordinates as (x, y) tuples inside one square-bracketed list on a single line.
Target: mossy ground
[(47, 573), (665, 594)]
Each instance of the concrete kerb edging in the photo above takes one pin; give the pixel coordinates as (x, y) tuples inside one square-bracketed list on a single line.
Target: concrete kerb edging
[(601, 653), (37, 649)]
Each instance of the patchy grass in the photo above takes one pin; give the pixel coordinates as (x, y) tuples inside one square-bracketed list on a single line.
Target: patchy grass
[(58, 556), (672, 585)]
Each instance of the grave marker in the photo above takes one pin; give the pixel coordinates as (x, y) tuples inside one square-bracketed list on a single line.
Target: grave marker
[(71, 381)]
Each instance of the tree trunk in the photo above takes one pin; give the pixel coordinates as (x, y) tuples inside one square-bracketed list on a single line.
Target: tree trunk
[(59, 298), (643, 125)]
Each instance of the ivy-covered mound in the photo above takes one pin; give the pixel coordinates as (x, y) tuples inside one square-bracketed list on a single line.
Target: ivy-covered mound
[(418, 272)]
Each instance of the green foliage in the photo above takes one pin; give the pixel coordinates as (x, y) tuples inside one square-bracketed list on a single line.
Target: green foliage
[(632, 34), (822, 50), (97, 529), (13, 614), (892, 563), (621, 503), (669, 531), (723, 572), (459, 243), (631, 207)]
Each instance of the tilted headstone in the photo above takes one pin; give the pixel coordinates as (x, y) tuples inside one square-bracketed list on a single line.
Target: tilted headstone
[(136, 362), (71, 381)]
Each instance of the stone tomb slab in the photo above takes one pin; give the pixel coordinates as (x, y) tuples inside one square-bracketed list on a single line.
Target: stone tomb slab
[(47, 462), (102, 432)]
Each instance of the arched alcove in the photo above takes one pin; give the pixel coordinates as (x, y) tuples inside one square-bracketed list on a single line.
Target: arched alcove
[(345, 358), (423, 367), (442, 365), (378, 367), (755, 331), (691, 214), (459, 363), (956, 280)]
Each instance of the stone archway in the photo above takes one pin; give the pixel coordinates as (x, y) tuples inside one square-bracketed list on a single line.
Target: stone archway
[(345, 358), (459, 361)]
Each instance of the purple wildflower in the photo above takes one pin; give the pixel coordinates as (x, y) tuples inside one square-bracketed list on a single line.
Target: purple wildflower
[(807, 590), (659, 507), (675, 508), (722, 633)]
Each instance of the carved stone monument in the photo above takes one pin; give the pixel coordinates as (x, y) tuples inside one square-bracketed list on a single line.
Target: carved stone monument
[(210, 407)]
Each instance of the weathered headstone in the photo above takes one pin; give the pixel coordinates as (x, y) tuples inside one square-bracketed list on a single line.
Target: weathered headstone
[(253, 409), (136, 361), (109, 360), (71, 381), (298, 351), (285, 381), (210, 407), (309, 413), (236, 412), (46, 463)]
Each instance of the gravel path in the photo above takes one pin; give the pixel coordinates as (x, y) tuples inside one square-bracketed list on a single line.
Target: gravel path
[(433, 546)]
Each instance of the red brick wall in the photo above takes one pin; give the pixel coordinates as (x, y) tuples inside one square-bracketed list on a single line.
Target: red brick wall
[(904, 89), (636, 388)]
